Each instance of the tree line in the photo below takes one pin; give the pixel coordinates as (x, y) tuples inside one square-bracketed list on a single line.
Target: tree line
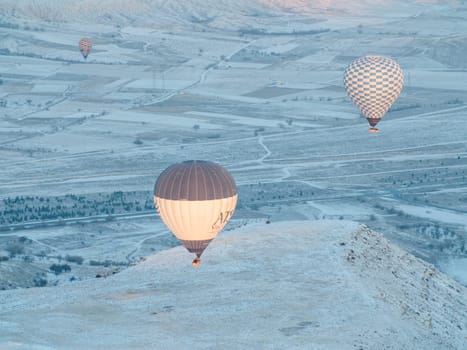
[(24, 209)]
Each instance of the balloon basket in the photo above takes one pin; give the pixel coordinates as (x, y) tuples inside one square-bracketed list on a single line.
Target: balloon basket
[(373, 130), (196, 262)]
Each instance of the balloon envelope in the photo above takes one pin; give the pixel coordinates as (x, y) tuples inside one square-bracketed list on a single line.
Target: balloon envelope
[(85, 46), (374, 83), (195, 199)]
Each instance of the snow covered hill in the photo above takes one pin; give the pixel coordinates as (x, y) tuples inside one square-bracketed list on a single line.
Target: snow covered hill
[(290, 285), (219, 13), (141, 12)]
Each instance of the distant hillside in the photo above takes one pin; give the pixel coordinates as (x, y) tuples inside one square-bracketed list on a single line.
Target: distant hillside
[(137, 12), (218, 13), (330, 285)]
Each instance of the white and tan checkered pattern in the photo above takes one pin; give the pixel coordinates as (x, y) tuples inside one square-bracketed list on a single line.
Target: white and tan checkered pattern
[(373, 84)]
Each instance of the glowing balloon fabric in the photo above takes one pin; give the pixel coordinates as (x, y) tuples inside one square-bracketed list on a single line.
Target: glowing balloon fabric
[(195, 199)]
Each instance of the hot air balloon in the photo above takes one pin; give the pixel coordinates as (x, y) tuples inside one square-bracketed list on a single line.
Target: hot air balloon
[(195, 199), (374, 83), (85, 47)]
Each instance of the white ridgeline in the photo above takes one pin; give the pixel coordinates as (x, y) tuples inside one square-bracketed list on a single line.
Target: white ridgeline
[(162, 12), (290, 285), (215, 13)]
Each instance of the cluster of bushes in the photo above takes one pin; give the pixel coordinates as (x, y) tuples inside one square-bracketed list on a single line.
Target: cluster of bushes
[(261, 31), (253, 195), (449, 174), (59, 268), (40, 280), (74, 259), (23, 209), (107, 263)]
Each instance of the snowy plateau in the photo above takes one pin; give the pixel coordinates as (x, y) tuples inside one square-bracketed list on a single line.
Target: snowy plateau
[(331, 285), (366, 246)]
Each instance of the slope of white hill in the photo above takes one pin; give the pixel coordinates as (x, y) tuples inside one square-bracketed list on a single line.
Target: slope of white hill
[(291, 285), (143, 12), (219, 13)]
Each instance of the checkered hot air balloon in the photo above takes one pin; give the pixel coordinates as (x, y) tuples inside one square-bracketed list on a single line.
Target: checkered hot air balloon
[(195, 199), (374, 83), (85, 47)]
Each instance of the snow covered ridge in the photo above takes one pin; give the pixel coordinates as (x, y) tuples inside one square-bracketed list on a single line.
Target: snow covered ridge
[(290, 285), (151, 12), (157, 12)]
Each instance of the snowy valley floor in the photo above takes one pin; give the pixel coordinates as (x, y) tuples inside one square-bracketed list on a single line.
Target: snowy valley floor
[(289, 285)]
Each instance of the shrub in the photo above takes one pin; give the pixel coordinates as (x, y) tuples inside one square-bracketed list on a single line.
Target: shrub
[(40, 281), (59, 268), (74, 259), (28, 258), (24, 239)]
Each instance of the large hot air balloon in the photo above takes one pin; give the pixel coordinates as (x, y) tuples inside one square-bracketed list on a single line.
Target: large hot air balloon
[(195, 199), (373, 84), (85, 47)]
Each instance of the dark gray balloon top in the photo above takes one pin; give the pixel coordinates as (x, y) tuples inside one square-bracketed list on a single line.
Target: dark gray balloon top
[(195, 180)]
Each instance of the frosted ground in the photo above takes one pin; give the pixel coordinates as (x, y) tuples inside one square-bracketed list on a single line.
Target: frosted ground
[(259, 92), (336, 286)]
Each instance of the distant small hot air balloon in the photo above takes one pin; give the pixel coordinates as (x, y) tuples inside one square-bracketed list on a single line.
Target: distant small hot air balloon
[(374, 83), (195, 199), (85, 47)]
